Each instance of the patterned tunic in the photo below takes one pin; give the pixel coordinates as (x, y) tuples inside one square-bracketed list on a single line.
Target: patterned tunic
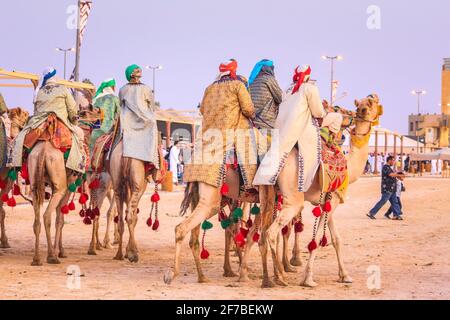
[(266, 96), (388, 184), (226, 107)]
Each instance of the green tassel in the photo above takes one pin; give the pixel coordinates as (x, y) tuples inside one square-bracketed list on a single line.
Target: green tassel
[(12, 174), (206, 225), (73, 187), (66, 154), (78, 182), (238, 213), (255, 210), (84, 176), (225, 223)]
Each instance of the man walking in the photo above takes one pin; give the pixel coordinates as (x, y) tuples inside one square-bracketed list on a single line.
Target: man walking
[(388, 189)]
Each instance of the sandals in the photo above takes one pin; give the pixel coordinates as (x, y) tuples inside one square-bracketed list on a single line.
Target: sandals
[(371, 216), (397, 218)]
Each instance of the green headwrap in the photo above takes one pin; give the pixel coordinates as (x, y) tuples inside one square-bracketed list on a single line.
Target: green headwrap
[(105, 84), (130, 71)]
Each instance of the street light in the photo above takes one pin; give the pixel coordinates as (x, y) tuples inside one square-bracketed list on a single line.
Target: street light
[(418, 93), (154, 77), (65, 57), (332, 58)]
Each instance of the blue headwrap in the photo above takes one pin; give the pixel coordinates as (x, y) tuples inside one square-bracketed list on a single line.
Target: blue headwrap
[(257, 69), (48, 74)]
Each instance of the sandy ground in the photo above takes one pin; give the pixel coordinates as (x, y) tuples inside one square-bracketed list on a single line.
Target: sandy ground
[(413, 256)]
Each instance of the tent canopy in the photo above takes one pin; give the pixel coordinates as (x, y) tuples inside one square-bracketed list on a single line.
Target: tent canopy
[(443, 154)]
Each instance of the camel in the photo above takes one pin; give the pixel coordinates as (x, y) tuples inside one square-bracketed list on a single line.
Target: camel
[(368, 112), (18, 118)]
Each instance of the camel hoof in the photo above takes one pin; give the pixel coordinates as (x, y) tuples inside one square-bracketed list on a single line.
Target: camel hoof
[(345, 279), (289, 268), (107, 245), (36, 263), (281, 282), (62, 255), (296, 262), (5, 245), (229, 274), (267, 283), (115, 242), (309, 284), (169, 276), (99, 247), (203, 279), (92, 252), (134, 258), (119, 257), (53, 260)]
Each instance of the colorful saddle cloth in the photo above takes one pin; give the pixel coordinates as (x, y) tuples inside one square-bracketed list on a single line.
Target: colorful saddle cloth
[(333, 173), (101, 149)]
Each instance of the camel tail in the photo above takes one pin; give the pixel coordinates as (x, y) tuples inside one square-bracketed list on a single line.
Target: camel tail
[(191, 198), (38, 183)]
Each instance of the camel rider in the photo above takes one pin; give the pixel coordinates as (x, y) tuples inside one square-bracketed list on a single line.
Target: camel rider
[(54, 120), (266, 94), (3, 107), (137, 119), (297, 127), (227, 109), (109, 105)]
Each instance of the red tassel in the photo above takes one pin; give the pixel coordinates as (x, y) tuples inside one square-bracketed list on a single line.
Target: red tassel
[(90, 214), (324, 241), (285, 230), (116, 219), (149, 222), (280, 198), (222, 215), (2, 184), (155, 225), (65, 209), (95, 184), (5, 197), (11, 202), (312, 246), (82, 213), (299, 227), (87, 221), (317, 212), (244, 232), (72, 206), (327, 207), (155, 197), (27, 182), (240, 239), (24, 171), (83, 198), (16, 190), (79, 190), (256, 237), (225, 189), (47, 196), (204, 254)]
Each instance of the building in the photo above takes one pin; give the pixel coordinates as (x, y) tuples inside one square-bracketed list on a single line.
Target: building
[(434, 129)]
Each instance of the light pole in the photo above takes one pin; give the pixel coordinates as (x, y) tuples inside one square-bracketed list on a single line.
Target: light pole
[(332, 58), (418, 93), (154, 78), (65, 57)]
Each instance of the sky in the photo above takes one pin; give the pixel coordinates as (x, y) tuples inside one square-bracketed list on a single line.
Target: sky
[(389, 47)]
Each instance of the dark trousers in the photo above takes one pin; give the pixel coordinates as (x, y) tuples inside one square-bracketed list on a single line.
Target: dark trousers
[(390, 211), (385, 197)]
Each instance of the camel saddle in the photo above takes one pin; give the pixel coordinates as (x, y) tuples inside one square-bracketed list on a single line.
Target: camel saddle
[(101, 149)]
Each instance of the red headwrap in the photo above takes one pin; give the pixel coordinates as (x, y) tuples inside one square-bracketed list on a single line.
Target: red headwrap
[(231, 67), (300, 76)]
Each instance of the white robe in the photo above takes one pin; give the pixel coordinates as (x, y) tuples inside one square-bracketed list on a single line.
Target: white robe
[(174, 161), (295, 124), (434, 167)]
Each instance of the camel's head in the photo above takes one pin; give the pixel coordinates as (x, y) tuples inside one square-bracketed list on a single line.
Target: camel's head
[(369, 109), (18, 117)]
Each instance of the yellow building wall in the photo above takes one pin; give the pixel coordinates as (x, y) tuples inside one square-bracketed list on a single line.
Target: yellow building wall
[(445, 92)]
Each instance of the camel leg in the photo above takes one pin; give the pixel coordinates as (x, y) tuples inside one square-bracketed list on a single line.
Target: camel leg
[(59, 223), (243, 269), (120, 227), (293, 202), (138, 185), (263, 249), (286, 263), (37, 231), (109, 220), (3, 239), (209, 200), (308, 280), (337, 244), (296, 259), (194, 244), (227, 270), (92, 247)]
